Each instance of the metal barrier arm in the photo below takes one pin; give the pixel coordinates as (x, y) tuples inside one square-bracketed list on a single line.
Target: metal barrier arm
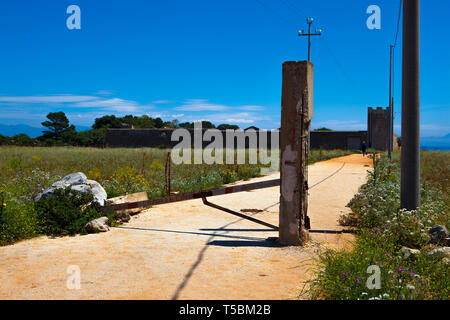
[(206, 202), (194, 195)]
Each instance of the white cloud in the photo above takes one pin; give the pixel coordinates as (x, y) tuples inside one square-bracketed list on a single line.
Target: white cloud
[(78, 101), (200, 105), (230, 118), (428, 130), (84, 108), (194, 105), (64, 98), (161, 101), (104, 92), (251, 108), (113, 104), (340, 125)]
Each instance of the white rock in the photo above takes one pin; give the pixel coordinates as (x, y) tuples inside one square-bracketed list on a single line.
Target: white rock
[(98, 224), (440, 252), (98, 192), (74, 178), (409, 253), (78, 182)]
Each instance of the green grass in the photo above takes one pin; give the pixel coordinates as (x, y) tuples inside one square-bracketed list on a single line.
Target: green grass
[(25, 171), (383, 230)]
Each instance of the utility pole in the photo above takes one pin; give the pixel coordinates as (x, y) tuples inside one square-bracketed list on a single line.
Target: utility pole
[(301, 33), (410, 172), (391, 116)]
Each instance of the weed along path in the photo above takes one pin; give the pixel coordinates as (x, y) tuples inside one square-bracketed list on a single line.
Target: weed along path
[(187, 250)]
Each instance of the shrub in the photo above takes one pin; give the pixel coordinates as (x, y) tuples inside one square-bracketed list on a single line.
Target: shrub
[(126, 180), (17, 219), (66, 212), (343, 275), (383, 230), (228, 176)]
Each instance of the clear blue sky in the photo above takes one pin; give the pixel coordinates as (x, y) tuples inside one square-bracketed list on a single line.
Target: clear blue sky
[(211, 60)]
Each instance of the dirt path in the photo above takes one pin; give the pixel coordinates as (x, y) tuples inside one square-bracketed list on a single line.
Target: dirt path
[(187, 250)]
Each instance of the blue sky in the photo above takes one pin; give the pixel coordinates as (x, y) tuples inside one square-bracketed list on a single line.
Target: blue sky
[(211, 60)]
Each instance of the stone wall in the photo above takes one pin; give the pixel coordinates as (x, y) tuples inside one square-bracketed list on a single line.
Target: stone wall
[(377, 136), (378, 122), (346, 140), (153, 138)]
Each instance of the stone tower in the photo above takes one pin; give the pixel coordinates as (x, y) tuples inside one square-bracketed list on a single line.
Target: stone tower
[(378, 127)]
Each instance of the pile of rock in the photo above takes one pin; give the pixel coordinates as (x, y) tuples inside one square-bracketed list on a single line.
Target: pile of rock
[(439, 237)]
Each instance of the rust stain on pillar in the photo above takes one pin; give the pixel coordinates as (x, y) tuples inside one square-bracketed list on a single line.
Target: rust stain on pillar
[(296, 115)]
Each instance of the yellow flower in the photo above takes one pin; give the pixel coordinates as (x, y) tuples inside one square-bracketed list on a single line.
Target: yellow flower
[(4, 204)]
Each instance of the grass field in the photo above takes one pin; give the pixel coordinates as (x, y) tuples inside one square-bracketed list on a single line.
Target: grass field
[(25, 171), (384, 229)]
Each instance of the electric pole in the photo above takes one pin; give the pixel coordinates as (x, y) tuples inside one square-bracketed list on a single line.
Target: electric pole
[(301, 33), (410, 172), (391, 115)]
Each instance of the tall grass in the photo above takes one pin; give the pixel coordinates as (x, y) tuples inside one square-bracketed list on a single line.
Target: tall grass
[(384, 229), (25, 171)]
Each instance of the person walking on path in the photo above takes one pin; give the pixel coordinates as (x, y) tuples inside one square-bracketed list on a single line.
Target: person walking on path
[(364, 148)]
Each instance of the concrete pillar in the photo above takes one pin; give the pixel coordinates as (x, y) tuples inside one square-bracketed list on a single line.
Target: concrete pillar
[(296, 115)]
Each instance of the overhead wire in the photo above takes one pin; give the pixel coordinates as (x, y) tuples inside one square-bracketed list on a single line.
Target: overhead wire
[(330, 51), (394, 46)]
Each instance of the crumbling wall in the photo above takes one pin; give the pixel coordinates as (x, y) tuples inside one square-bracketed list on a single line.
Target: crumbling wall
[(378, 126)]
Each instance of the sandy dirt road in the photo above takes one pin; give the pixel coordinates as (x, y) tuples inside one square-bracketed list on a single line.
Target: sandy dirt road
[(187, 250)]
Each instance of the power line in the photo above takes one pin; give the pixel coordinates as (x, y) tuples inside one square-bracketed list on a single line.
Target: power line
[(273, 12), (291, 22), (395, 44), (392, 81), (337, 62), (398, 22), (295, 8)]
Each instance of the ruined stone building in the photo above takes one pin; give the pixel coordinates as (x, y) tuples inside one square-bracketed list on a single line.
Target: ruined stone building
[(376, 136)]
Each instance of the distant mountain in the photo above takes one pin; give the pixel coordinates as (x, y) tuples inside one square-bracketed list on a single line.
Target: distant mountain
[(436, 143), (12, 130), (33, 132)]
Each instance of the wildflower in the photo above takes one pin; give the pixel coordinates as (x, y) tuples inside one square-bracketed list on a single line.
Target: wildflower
[(357, 280), (4, 204), (415, 275), (401, 270), (385, 295), (344, 275), (390, 272), (410, 287), (364, 293)]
